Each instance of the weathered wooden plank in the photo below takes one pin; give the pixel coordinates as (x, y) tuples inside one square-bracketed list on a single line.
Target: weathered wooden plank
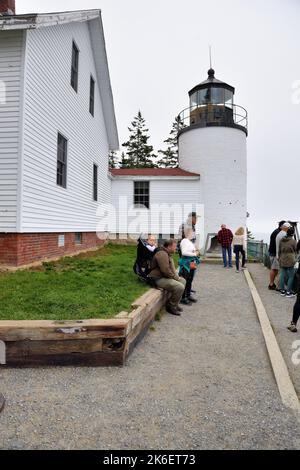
[(145, 320), (47, 331), (98, 359), (28, 348), (147, 298)]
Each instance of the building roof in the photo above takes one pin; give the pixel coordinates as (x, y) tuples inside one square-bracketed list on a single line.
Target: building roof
[(153, 172), (93, 17)]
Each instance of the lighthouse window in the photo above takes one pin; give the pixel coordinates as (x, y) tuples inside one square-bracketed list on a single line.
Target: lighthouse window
[(217, 95), (142, 193)]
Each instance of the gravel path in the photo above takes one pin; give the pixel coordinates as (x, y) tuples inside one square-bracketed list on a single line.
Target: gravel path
[(199, 381), (280, 311)]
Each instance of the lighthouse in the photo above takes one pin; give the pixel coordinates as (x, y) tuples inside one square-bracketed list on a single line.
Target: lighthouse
[(212, 139)]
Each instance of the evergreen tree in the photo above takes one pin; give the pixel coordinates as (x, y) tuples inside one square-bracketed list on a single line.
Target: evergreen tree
[(123, 163), (170, 155), (250, 235), (112, 159), (139, 154)]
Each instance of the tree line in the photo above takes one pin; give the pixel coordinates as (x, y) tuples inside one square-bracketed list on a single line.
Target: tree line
[(139, 154)]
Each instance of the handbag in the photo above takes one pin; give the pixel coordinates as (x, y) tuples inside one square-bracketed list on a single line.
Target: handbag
[(193, 265)]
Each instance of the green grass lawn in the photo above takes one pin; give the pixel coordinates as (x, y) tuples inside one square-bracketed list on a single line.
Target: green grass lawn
[(90, 285)]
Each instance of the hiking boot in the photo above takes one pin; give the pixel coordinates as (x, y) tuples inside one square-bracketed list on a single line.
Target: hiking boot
[(273, 287), (192, 299), (292, 328), (172, 310), (185, 301)]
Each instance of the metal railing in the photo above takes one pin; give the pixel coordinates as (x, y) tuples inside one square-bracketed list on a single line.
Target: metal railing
[(205, 115)]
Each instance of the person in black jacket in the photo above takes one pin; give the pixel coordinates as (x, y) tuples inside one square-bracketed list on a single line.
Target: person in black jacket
[(296, 311), (272, 253)]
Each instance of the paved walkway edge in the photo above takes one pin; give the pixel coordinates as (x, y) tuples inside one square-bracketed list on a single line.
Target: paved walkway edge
[(286, 388)]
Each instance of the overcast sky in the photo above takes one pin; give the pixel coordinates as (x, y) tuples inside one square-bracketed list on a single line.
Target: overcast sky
[(158, 51)]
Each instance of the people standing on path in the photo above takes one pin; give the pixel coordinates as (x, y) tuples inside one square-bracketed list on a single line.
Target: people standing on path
[(287, 253), (239, 247), (273, 259), (225, 237), (188, 263), (164, 274)]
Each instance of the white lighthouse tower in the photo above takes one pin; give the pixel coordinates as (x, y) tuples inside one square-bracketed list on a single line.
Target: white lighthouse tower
[(212, 142)]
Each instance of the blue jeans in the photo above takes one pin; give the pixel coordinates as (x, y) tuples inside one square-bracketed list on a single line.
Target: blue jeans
[(227, 250), (287, 275)]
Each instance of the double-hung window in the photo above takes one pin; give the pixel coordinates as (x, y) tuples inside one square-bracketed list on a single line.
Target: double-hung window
[(142, 193)]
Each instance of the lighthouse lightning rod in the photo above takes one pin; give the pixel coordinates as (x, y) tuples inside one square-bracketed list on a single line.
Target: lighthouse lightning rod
[(210, 56)]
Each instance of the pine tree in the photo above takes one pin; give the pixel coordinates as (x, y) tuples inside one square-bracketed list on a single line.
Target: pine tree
[(250, 235), (112, 159), (170, 155), (124, 162), (139, 154)]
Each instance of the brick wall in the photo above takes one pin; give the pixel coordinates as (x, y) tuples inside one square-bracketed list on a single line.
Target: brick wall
[(18, 249)]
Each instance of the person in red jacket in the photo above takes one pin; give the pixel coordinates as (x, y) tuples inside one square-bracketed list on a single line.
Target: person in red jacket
[(225, 237)]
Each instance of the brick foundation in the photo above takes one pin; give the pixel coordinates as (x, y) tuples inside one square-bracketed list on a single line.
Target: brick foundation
[(19, 249)]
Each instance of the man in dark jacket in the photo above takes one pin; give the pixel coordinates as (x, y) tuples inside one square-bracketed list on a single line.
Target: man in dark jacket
[(165, 276), (225, 237), (273, 258)]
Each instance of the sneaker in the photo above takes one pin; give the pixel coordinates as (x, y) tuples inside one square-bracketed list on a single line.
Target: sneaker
[(273, 287), (192, 299), (237, 271), (179, 308), (230, 266), (290, 295), (278, 290), (282, 293), (193, 291), (292, 328)]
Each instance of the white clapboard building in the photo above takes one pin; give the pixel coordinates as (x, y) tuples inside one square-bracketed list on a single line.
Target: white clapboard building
[(57, 126)]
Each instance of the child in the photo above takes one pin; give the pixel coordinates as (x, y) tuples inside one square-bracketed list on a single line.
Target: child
[(151, 243)]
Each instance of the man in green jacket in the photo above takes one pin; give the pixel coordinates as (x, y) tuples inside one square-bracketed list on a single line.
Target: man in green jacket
[(165, 276)]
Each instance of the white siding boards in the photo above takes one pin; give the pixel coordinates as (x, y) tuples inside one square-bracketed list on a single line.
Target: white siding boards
[(11, 69), (52, 106)]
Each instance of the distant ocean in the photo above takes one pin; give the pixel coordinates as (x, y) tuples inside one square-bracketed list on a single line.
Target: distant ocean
[(262, 236)]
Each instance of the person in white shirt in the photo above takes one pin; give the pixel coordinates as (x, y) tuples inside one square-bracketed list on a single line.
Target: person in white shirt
[(239, 247), (188, 265)]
